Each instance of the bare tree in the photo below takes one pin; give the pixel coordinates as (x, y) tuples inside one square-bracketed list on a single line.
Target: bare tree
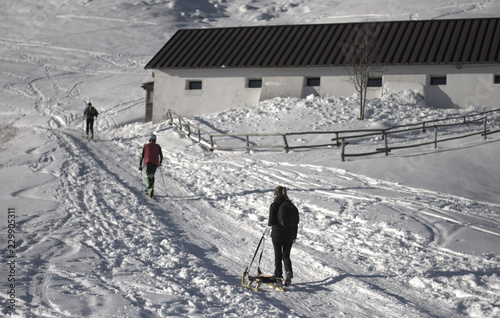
[(360, 54)]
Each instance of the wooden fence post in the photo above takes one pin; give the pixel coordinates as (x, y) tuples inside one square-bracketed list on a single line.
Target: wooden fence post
[(212, 143), (484, 128), (435, 137), (423, 127), (248, 144), (199, 135), (286, 143), (385, 143), (337, 138), (342, 152)]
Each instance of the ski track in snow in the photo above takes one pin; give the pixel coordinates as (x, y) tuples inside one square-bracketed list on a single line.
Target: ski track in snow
[(121, 247), (370, 257), (115, 232), (170, 244)]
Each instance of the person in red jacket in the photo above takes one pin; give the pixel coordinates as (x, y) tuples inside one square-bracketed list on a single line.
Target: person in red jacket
[(152, 158)]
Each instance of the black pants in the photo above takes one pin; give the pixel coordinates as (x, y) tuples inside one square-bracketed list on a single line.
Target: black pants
[(90, 125), (150, 174), (282, 248)]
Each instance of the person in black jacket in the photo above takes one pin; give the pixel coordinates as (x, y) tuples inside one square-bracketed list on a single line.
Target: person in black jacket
[(283, 219), (90, 113)]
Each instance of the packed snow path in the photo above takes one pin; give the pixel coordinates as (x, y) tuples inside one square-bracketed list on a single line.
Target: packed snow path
[(366, 247)]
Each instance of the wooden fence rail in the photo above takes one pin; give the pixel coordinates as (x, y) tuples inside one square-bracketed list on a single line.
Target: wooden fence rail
[(208, 140), (387, 149)]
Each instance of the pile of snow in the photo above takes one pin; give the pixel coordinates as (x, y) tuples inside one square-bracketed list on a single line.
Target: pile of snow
[(280, 115)]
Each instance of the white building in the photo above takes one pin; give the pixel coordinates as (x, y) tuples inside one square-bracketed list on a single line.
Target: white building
[(452, 63)]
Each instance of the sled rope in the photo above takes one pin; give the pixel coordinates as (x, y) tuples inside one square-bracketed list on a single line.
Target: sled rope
[(261, 242)]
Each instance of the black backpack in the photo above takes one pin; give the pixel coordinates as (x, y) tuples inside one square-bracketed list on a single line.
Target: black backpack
[(288, 214)]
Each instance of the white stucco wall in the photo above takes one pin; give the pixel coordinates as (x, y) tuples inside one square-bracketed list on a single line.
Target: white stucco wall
[(219, 91), (403, 82), (466, 85), (472, 89), (279, 86), (228, 88)]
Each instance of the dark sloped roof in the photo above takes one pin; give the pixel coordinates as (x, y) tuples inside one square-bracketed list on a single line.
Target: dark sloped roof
[(395, 42)]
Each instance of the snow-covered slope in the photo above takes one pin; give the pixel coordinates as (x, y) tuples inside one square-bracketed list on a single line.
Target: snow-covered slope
[(415, 234)]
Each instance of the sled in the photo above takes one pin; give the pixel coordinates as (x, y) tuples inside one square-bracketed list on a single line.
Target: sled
[(247, 280), (255, 282)]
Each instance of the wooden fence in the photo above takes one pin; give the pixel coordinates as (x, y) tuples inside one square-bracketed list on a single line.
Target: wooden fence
[(339, 138)]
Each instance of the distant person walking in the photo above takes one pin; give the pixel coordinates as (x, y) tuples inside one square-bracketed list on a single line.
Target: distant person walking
[(90, 113), (151, 157), (284, 220)]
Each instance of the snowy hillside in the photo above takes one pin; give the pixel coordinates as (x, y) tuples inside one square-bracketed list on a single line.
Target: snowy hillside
[(415, 234)]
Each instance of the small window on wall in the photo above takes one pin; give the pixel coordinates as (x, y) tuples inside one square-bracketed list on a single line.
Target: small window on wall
[(255, 83), (192, 85), (374, 82), (313, 81), (496, 80), (438, 80)]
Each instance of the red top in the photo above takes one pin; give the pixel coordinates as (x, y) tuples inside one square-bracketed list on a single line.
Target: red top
[(152, 153)]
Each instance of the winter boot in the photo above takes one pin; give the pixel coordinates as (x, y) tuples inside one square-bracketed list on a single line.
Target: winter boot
[(288, 280)]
